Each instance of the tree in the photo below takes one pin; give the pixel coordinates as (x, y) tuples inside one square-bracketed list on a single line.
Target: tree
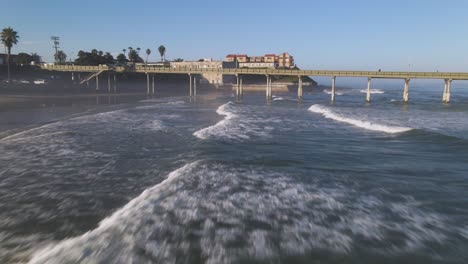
[(60, 57), (9, 38), (148, 52), (162, 52), (23, 58), (133, 56), (178, 60), (100, 53), (121, 58), (94, 51), (35, 58), (108, 58)]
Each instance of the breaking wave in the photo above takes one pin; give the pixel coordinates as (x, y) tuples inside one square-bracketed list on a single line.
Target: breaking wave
[(373, 91), (214, 213), (235, 125), (328, 113)]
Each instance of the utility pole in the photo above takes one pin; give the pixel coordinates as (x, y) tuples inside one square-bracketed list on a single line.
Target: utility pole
[(56, 45)]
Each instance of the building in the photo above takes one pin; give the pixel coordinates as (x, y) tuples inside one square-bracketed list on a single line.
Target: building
[(230, 58), (257, 65), (269, 58), (285, 60), (208, 78), (3, 58)]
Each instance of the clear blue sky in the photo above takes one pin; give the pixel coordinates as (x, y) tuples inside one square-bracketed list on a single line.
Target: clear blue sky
[(359, 35)]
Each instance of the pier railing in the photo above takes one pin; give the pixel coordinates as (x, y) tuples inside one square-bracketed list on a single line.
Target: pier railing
[(448, 77)]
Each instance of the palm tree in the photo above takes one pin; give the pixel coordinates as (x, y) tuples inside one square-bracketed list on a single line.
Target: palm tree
[(9, 38), (61, 57), (162, 51), (129, 51), (148, 52)]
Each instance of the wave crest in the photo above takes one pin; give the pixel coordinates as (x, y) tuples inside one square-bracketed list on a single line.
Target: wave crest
[(328, 113)]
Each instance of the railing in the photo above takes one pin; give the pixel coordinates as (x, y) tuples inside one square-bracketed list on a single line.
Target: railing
[(246, 71)]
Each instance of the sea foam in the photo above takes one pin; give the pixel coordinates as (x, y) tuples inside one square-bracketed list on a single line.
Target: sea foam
[(329, 113), (227, 214), (372, 91), (235, 126)]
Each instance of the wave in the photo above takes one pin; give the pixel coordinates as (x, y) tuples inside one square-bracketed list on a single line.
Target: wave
[(372, 91), (235, 126), (217, 212), (330, 92), (278, 98), (219, 128), (173, 103), (328, 113)]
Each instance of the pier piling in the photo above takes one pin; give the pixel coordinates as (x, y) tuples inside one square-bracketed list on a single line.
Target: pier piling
[(240, 87), (446, 94), (237, 85), (153, 85), (190, 84), (115, 83), (406, 91), (194, 85), (333, 89), (108, 83), (299, 87), (147, 84), (368, 90)]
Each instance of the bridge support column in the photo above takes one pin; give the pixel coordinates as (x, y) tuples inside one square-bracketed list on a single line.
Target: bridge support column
[(190, 84), (237, 85), (194, 85), (333, 89), (368, 90), (73, 76), (268, 87), (446, 95), (115, 83), (299, 87), (108, 83), (147, 84), (240, 87), (406, 91), (79, 76), (153, 85), (97, 82)]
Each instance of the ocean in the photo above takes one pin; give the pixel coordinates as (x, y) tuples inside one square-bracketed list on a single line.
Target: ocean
[(216, 179)]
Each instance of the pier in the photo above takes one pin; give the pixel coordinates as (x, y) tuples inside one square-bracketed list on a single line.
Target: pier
[(95, 71)]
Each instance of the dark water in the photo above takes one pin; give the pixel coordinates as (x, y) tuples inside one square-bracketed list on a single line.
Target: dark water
[(216, 180)]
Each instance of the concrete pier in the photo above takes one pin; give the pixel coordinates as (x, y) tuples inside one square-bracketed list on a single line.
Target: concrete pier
[(368, 90), (446, 94), (115, 83), (268, 87), (240, 86), (97, 82), (333, 89), (194, 85), (406, 91), (299, 87), (153, 84), (147, 84), (237, 85), (108, 83), (190, 85)]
